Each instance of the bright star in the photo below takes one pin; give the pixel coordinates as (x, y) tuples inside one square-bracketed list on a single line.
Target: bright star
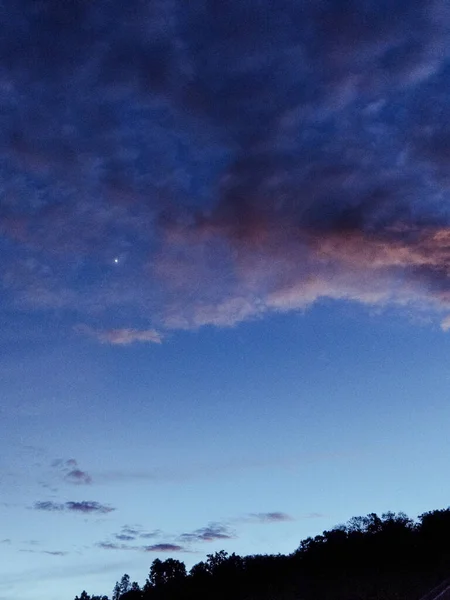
[(116, 260)]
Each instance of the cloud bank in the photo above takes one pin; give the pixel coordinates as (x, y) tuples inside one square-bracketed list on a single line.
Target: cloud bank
[(206, 164)]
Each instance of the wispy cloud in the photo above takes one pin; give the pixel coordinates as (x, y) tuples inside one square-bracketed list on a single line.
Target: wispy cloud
[(113, 546), (163, 547), (49, 506), (71, 472), (83, 507), (49, 552), (151, 534), (78, 477), (210, 533), (122, 337), (269, 517)]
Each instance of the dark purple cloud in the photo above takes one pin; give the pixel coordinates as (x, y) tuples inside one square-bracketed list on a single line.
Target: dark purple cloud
[(84, 507), (184, 164)]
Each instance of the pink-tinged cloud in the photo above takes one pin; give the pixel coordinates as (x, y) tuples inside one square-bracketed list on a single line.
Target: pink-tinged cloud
[(122, 337), (297, 266)]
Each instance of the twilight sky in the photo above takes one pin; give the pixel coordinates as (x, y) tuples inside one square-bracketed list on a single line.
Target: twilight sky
[(225, 278)]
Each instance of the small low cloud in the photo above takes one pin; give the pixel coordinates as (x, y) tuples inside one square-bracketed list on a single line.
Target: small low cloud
[(84, 507), (270, 517), (210, 533), (49, 506), (112, 546), (150, 534), (165, 548), (49, 552), (78, 477), (129, 534), (89, 507), (121, 337), (132, 531), (5, 541), (71, 472)]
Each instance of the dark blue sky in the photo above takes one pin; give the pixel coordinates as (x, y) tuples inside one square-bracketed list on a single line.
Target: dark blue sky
[(225, 241)]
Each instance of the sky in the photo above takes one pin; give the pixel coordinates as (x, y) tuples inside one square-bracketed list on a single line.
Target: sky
[(224, 278)]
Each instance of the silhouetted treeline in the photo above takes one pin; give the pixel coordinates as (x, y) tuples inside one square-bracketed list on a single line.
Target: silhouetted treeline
[(387, 557)]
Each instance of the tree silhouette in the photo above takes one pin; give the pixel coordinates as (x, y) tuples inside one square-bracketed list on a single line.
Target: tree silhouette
[(165, 572)]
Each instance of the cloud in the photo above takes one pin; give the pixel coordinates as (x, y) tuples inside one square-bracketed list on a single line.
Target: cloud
[(124, 538), (239, 159), (78, 477), (165, 548), (84, 507), (122, 337), (150, 534), (210, 533), (49, 552), (88, 507), (71, 472), (132, 531), (270, 517), (48, 505), (5, 541), (112, 546)]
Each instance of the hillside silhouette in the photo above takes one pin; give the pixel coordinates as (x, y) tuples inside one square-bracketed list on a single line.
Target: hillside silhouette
[(387, 557)]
